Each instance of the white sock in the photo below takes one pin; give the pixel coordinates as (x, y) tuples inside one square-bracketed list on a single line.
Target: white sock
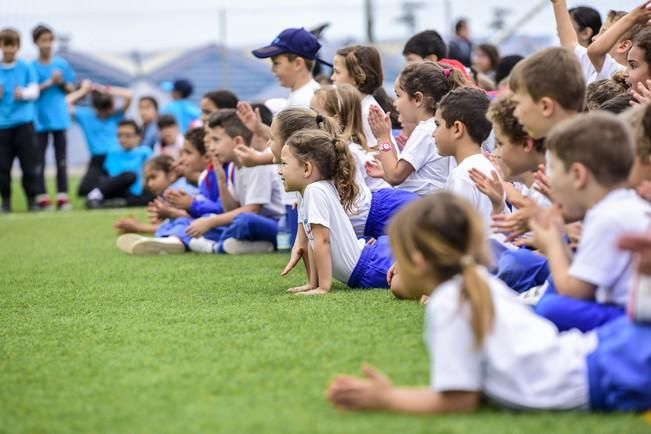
[(95, 194), (202, 245)]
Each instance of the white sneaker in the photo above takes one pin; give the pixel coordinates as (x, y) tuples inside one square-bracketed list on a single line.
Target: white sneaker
[(134, 244), (233, 246), (533, 295)]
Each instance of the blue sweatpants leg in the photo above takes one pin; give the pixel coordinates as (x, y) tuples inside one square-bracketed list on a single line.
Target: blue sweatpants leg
[(571, 313), (292, 223), (522, 269), (251, 227)]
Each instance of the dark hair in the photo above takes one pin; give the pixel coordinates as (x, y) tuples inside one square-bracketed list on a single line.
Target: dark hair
[(102, 102), (364, 66), (425, 44), (330, 154), (505, 66), (467, 105), (643, 40), (151, 99), (231, 123), (586, 17), (9, 37), (39, 31), (162, 163), (492, 53), (598, 140), (222, 98), (617, 104), (166, 121), (309, 64), (386, 104), (295, 119), (461, 23), (431, 79), (600, 91), (195, 136), (553, 73), (131, 123), (265, 114)]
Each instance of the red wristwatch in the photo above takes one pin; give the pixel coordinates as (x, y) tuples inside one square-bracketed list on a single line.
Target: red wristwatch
[(385, 147)]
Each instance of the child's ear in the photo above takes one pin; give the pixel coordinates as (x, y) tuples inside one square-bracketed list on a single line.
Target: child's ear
[(239, 140), (624, 46), (458, 129), (528, 144), (580, 175), (308, 168), (548, 106), (418, 98)]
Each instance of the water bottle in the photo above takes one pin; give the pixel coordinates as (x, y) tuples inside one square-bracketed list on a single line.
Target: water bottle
[(282, 239)]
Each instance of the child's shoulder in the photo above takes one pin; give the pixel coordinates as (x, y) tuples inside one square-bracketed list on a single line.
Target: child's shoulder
[(618, 203)]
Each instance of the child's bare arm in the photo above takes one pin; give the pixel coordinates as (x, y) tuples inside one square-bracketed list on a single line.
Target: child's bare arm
[(375, 392), (321, 260), (600, 47), (76, 95), (228, 201), (202, 225), (564, 26)]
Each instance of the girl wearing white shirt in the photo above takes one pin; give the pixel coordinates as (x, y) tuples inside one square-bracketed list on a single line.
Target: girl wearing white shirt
[(418, 168), (484, 341), (375, 207), (319, 167)]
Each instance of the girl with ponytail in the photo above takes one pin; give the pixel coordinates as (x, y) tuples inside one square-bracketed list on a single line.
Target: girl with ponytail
[(418, 168), (484, 341), (318, 166)]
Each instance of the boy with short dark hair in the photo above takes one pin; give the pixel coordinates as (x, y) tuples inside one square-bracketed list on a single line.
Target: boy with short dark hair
[(183, 110), (461, 128), (121, 180), (293, 53), (591, 157), (18, 90), (56, 78), (426, 45), (170, 138)]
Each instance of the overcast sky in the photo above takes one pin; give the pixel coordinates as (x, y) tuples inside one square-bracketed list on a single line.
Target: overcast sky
[(126, 25)]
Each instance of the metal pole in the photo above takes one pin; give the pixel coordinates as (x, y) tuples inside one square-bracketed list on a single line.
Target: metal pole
[(224, 48), (447, 14), (368, 9)]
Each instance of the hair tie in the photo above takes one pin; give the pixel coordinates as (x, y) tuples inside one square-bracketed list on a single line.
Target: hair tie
[(334, 141), (467, 261), (446, 72), (319, 119)]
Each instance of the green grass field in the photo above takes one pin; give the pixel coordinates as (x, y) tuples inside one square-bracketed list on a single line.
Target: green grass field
[(92, 340)]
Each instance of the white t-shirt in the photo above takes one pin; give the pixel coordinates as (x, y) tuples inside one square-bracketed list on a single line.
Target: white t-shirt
[(523, 363), (430, 169), (359, 214), (258, 185), (173, 150), (459, 183), (367, 102), (321, 205), (361, 157), (302, 96), (589, 72), (608, 69), (598, 260)]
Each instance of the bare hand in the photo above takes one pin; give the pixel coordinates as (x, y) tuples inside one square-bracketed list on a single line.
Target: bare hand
[(302, 288), (380, 123), (641, 95), (57, 77), (297, 254), (359, 393), (393, 271), (374, 168), (199, 227), (250, 118), (18, 93), (491, 187), (541, 182), (515, 224), (178, 198), (315, 291), (547, 226), (126, 225), (246, 155)]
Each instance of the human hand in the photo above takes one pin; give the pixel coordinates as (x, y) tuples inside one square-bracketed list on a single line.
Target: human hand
[(246, 155), (360, 393), (177, 198), (573, 231), (250, 118), (198, 227), (644, 190), (374, 168), (18, 93), (152, 213), (641, 14), (126, 225), (297, 254), (641, 95), (393, 271), (547, 226), (515, 224), (380, 123), (491, 187), (541, 182), (57, 77)]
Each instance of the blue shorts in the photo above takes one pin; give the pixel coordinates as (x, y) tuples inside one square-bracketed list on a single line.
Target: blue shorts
[(571, 313), (178, 226), (619, 369), (373, 265), (384, 204), (520, 269)]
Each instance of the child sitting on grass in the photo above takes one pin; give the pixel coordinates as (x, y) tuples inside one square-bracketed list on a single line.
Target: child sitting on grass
[(320, 167), (250, 198), (477, 331)]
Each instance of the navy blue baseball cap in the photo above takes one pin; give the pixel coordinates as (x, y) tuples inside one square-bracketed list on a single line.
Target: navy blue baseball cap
[(297, 41)]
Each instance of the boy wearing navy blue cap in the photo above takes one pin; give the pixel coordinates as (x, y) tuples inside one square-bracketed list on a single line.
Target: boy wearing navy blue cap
[(293, 53), (181, 108)]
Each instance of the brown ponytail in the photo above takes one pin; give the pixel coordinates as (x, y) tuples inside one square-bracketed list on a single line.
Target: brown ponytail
[(449, 234), (432, 80), (292, 120), (331, 156), (344, 103)]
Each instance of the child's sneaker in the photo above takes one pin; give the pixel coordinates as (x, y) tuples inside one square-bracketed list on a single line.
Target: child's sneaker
[(63, 203), (134, 244), (639, 306), (233, 246), (43, 202)]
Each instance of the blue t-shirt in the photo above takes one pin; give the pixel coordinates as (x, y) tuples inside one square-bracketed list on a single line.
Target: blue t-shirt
[(101, 133), (122, 160), (51, 108), (15, 112), (183, 111), (185, 185), (149, 135)]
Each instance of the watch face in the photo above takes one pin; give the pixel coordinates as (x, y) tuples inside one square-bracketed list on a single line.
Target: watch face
[(385, 147)]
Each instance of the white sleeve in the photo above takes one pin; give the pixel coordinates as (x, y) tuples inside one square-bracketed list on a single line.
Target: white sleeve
[(598, 260), (464, 189), (609, 68), (31, 92), (418, 149), (586, 64), (455, 361), (316, 209), (258, 186)]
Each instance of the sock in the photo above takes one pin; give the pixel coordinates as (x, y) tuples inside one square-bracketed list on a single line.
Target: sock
[(62, 196), (95, 194), (202, 245)]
